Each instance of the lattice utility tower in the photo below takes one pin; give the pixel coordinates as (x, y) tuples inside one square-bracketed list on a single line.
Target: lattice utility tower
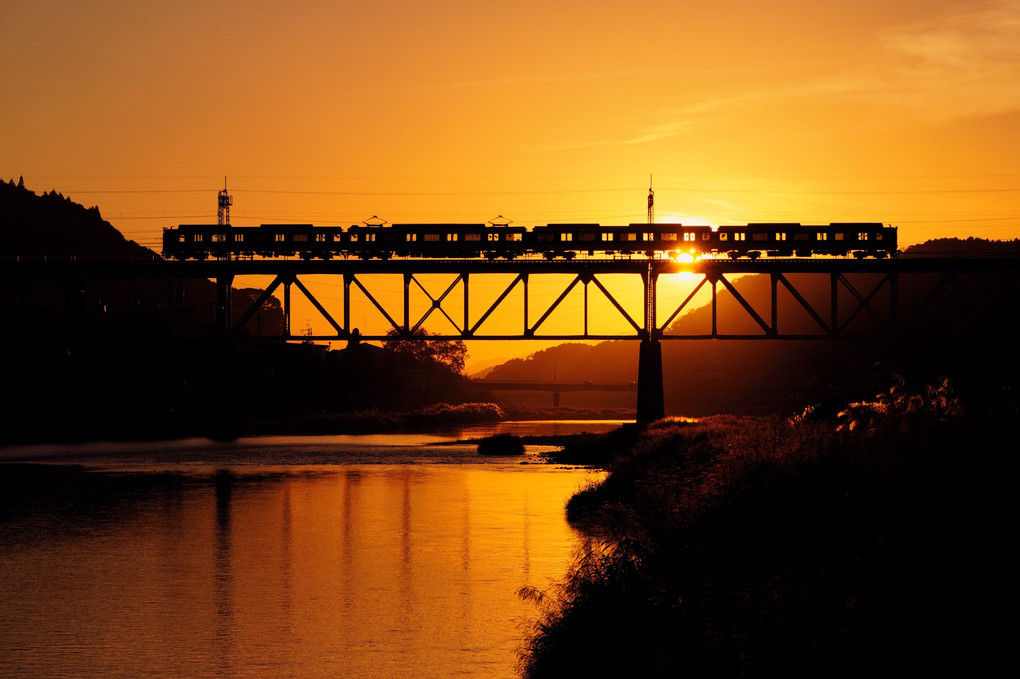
[(651, 202), (225, 201)]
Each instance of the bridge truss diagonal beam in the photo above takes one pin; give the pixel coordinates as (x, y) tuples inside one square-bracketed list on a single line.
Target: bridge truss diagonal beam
[(563, 295), (683, 305), (257, 304), (437, 303), (744, 303), (521, 278), (354, 279), (612, 299), (863, 302), (780, 278), (325, 314)]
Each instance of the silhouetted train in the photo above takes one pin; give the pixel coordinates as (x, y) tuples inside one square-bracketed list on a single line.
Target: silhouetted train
[(465, 241)]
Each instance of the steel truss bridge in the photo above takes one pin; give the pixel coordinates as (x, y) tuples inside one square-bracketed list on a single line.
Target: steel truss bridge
[(865, 298)]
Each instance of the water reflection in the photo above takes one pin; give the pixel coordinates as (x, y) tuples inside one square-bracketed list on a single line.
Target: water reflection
[(389, 570), (222, 573)]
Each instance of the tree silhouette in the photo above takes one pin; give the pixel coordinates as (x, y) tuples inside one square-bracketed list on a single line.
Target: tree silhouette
[(447, 353)]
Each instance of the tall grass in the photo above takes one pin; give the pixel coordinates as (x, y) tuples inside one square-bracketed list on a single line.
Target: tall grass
[(762, 546)]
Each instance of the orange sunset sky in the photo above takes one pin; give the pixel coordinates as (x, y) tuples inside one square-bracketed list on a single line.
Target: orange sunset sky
[(900, 111)]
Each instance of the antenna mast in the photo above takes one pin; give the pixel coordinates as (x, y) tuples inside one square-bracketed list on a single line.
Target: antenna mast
[(225, 201), (651, 202)]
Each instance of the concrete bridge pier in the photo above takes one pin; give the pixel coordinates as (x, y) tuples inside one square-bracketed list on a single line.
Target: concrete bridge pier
[(650, 403)]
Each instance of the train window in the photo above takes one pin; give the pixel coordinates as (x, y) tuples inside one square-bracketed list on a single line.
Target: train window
[(452, 237), (672, 236), (724, 236), (431, 237), (322, 237), (878, 236), (740, 235), (279, 237), (473, 236), (219, 237), (838, 236), (354, 238), (181, 238), (607, 236), (780, 236), (514, 237), (647, 236), (759, 236), (862, 236), (370, 237), (587, 236), (300, 237), (238, 237), (410, 237), (493, 237), (630, 236), (688, 236), (823, 236), (566, 236), (801, 236), (706, 236)]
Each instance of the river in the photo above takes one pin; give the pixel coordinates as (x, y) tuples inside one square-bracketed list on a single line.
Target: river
[(393, 556)]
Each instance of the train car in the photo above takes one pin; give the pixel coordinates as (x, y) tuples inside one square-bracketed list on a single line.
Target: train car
[(504, 241), (790, 239), (285, 240), (650, 240), (552, 241), (456, 241), (198, 241), (326, 242), (861, 239), (563, 240), (369, 241)]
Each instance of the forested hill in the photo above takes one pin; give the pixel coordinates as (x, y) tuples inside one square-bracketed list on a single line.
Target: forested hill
[(51, 225), (964, 247)]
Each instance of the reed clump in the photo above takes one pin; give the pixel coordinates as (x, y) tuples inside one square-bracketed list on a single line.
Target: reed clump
[(794, 546)]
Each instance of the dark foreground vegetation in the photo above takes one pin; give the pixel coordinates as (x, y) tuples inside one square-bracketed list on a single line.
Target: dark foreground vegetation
[(872, 541)]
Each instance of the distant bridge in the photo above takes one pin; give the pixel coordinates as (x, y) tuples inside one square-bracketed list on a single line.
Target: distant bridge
[(555, 387), (865, 299)]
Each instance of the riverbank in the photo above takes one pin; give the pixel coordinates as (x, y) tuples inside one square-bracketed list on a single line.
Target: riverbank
[(426, 419), (879, 541), (372, 421)]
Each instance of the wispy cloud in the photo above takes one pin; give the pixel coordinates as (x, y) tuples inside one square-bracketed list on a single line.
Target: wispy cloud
[(668, 122), (959, 64)]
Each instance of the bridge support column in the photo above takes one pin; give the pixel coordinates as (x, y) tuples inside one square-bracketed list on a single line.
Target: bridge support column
[(650, 403)]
